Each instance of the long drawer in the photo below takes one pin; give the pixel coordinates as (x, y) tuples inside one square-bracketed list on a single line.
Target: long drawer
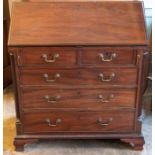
[(98, 99), (104, 76), (69, 121)]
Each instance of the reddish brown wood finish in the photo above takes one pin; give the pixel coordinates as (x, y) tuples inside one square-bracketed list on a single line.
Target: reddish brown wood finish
[(6, 63), (34, 56), (79, 76), (79, 121), (124, 56), (77, 98), (136, 143), (19, 143), (78, 41), (97, 25)]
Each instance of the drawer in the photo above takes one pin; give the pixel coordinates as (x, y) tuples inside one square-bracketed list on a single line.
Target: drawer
[(108, 56), (105, 121), (102, 77), (77, 98), (47, 56)]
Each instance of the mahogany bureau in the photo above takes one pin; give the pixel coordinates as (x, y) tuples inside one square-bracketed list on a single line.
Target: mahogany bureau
[(77, 70)]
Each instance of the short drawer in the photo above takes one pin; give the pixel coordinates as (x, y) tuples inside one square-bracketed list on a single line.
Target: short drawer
[(102, 77), (77, 98), (47, 56), (105, 121), (108, 56)]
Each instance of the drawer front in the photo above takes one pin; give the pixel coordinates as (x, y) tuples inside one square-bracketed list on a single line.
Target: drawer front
[(50, 56), (108, 56), (106, 121), (95, 99), (79, 77)]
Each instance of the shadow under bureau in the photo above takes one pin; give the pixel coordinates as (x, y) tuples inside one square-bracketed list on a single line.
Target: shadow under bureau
[(78, 70)]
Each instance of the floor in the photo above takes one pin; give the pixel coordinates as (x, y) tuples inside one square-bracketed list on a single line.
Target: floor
[(81, 147)]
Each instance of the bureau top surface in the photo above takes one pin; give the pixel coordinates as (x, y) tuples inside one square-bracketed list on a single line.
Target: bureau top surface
[(77, 23)]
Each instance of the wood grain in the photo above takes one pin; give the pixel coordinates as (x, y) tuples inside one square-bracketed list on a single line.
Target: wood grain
[(85, 99), (78, 121), (79, 32), (86, 77), (124, 56), (77, 23), (34, 56), (68, 56)]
